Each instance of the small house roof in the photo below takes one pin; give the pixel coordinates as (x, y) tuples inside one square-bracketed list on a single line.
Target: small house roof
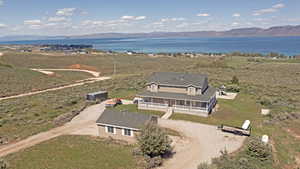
[(123, 119), (178, 79)]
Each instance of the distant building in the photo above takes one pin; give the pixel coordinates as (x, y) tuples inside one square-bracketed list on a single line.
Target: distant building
[(122, 125), (97, 96), (178, 92)]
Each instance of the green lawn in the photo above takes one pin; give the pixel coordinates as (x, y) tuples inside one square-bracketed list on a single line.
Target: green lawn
[(230, 112), (75, 152), (133, 108)]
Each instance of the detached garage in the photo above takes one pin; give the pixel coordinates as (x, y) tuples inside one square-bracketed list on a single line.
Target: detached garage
[(97, 96)]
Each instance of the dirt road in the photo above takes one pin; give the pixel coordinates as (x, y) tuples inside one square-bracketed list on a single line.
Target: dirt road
[(86, 119), (48, 71), (200, 144), (80, 83)]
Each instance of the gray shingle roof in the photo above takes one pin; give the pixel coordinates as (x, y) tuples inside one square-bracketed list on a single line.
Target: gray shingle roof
[(123, 119), (210, 91), (178, 79)]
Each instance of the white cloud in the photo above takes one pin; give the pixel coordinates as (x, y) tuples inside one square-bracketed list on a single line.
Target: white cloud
[(1, 2), (278, 6), (57, 19), (33, 22), (273, 9), (203, 14), (126, 17), (235, 24), (2, 25), (236, 15), (66, 12), (140, 18)]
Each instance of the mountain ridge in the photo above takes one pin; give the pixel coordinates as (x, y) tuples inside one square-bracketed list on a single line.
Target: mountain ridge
[(276, 31)]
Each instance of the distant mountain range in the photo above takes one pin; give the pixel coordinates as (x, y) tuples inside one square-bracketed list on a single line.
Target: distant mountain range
[(242, 32)]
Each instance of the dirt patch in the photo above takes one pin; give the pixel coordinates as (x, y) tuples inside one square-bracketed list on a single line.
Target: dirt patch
[(82, 67), (294, 132)]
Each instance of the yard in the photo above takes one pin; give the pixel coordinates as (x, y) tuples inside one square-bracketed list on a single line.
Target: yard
[(70, 152), (266, 83)]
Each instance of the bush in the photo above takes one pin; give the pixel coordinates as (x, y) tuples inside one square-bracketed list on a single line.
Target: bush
[(153, 162), (234, 80), (258, 150), (233, 88), (153, 141), (3, 164)]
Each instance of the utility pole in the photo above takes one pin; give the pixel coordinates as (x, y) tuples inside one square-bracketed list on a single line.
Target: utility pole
[(115, 68)]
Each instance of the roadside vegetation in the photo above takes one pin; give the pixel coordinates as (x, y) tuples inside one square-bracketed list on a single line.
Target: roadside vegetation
[(262, 83)]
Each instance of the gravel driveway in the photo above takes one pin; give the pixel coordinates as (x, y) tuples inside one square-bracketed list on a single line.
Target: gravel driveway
[(200, 143), (84, 123)]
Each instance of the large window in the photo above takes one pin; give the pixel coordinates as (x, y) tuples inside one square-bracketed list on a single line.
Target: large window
[(127, 132), (110, 129)]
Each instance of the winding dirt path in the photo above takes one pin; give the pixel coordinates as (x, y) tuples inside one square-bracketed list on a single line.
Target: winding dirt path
[(48, 71), (79, 83)]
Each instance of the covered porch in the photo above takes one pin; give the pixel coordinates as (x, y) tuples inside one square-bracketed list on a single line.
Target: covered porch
[(177, 105)]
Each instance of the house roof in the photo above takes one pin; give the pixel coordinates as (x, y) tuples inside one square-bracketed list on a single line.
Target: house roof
[(123, 119), (178, 79), (205, 97)]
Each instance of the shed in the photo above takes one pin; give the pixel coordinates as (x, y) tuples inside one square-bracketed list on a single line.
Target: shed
[(97, 96)]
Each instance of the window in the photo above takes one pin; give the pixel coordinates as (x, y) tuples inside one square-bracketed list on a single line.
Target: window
[(110, 129), (127, 132)]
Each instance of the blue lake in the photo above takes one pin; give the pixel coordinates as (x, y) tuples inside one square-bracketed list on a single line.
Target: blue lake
[(283, 45)]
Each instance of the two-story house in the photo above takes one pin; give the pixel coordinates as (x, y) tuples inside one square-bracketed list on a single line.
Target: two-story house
[(178, 92)]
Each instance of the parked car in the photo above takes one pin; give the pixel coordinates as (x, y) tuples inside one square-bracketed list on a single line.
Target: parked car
[(113, 102)]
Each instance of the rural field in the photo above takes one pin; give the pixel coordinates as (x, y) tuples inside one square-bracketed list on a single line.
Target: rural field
[(263, 83), (88, 152)]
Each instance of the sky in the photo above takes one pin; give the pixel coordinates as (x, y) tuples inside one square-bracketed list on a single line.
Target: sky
[(80, 17)]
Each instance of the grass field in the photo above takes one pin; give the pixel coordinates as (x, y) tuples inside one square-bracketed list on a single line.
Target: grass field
[(267, 83), (71, 152)]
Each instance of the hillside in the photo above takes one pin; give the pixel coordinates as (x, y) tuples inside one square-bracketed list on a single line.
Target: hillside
[(277, 31)]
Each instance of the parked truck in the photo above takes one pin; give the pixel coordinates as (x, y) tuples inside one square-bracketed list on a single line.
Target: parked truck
[(245, 130)]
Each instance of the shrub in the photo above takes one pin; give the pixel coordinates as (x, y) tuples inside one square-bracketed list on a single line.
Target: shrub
[(153, 141), (3, 164), (233, 88), (258, 150), (234, 80), (153, 162)]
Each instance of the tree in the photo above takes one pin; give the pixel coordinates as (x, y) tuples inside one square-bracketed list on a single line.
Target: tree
[(234, 80), (153, 141)]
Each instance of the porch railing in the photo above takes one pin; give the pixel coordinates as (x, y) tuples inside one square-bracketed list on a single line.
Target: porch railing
[(178, 107), (149, 104), (189, 107)]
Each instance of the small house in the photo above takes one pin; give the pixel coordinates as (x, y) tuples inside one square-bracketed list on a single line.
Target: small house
[(122, 125)]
